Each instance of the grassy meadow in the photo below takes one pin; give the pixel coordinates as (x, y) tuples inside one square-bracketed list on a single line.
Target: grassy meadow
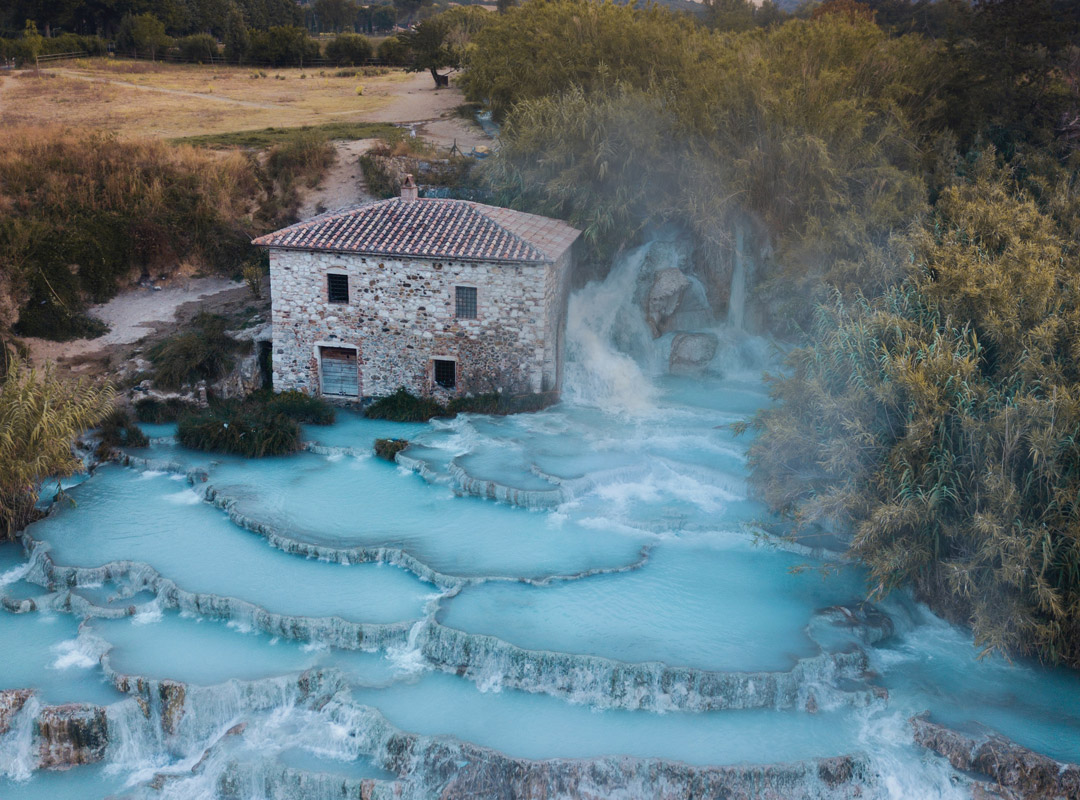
[(139, 98)]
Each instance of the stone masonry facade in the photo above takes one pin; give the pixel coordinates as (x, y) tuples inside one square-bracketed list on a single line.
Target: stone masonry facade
[(400, 317)]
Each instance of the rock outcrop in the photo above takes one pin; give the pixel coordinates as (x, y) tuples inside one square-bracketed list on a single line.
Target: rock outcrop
[(669, 286), (691, 353), (1020, 774), (69, 735), (11, 703), (246, 375)]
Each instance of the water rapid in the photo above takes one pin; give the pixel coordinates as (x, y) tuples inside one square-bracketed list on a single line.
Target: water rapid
[(570, 603)]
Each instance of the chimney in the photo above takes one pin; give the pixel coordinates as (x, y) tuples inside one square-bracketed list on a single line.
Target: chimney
[(409, 192)]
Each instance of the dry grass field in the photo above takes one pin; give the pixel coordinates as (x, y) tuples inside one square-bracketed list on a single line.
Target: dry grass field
[(137, 98)]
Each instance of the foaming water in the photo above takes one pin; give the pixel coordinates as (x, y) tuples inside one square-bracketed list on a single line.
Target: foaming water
[(577, 583), (604, 334)]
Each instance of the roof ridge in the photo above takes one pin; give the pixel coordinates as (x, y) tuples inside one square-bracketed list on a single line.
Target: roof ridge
[(500, 226), (435, 227), (326, 216)]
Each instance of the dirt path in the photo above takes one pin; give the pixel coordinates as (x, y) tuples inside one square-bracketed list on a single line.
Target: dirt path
[(343, 185), (430, 112), (131, 315)]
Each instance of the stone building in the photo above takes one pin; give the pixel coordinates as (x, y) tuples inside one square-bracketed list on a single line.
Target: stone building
[(439, 296)]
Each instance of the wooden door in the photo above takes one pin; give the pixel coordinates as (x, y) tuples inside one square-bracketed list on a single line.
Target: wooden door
[(339, 372)]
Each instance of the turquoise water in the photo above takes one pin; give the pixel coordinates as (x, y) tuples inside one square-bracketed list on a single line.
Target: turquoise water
[(699, 603), (51, 657), (536, 726), (623, 550), (370, 503), (153, 518)]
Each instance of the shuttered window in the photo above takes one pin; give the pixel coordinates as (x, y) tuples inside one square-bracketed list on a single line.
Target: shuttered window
[(337, 288), (446, 373), (465, 302)]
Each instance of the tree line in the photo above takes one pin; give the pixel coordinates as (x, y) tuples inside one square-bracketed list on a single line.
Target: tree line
[(258, 32), (179, 18)]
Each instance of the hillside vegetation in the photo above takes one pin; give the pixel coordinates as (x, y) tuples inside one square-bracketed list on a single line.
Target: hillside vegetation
[(87, 213), (907, 207)]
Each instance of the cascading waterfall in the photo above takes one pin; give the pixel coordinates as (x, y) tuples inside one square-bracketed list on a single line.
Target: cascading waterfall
[(598, 373), (736, 317), (329, 625)]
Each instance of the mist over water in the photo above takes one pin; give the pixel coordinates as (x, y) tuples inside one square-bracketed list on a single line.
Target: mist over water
[(611, 601)]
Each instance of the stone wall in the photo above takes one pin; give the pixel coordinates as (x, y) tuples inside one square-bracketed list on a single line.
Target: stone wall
[(400, 316), (556, 298)]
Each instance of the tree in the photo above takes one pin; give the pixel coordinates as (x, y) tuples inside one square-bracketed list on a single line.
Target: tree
[(349, 49), (33, 39), (813, 173), (406, 9), (543, 48), (441, 41), (851, 10), (199, 48), (282, 46), (40, 415), (143, 33), (382, 18), (730, 15), (335, 15), (237, 40)]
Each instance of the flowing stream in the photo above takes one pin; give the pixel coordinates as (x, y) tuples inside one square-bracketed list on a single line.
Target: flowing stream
[(579, 596)]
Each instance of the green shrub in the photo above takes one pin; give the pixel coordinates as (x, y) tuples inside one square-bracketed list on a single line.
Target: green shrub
[(157, 411), (298, 406), (73, 43), (201, 48), (52, 321), (204, 353), (394, 51), (19, 50), (500, 403), (349, 49), (282, 46), (263, 424), (402, 406), (304, 155), (389, 448), (246, 429), (119, 430)]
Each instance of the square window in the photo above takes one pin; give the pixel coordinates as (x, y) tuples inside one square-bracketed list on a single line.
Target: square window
[(446, 373), (465, 302), (337, 288)]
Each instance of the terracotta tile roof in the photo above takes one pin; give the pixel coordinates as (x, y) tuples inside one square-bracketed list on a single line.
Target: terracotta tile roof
[(430, 228)]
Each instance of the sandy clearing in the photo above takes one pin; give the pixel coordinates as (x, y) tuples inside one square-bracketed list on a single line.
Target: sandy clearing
[(430, 112), (415, 100), (131, 315)]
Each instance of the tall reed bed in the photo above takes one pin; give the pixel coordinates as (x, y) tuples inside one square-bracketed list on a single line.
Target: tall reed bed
[(82, 213)]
